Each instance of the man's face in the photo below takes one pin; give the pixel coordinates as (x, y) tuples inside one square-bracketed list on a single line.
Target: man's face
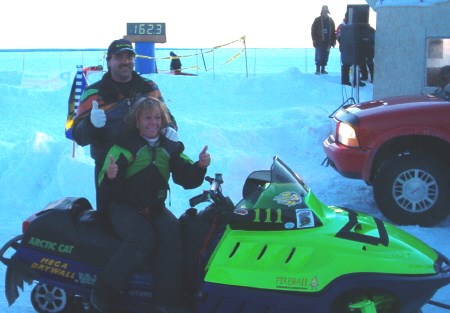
[(121, 66)]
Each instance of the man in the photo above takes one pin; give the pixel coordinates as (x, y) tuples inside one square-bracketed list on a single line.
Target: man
[(323, 37), (104, 104), (368, 50), (345, 67), (175, 63)]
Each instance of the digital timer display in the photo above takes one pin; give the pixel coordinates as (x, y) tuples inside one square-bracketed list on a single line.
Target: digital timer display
[(145, 29)]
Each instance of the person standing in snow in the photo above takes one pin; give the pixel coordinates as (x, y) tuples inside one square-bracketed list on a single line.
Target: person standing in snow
[(345, 67), (100, 115), (175, 63), (367, 68), (323, 37), (135, 176)]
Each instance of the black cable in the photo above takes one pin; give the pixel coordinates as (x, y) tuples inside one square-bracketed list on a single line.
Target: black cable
[(439, 304), (350, 100)]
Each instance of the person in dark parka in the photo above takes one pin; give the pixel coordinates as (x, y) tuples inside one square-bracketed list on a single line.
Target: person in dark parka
[(175, 63), (100, 116), (323, 37)]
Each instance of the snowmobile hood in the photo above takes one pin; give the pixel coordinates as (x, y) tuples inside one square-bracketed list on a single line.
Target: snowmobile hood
[(283, 226)]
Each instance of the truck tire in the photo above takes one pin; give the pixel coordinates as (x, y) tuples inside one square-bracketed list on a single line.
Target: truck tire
[(413, 189)]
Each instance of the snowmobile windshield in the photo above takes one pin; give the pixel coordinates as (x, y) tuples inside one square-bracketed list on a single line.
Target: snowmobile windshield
[(280, 187)]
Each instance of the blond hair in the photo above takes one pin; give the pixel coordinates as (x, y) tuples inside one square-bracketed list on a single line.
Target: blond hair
[(146, 104)]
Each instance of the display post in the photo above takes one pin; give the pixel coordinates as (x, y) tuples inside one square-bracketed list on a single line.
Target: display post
[(145, 35), (145, 65)]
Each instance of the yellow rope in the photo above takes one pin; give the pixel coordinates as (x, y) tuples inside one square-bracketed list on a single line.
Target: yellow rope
[(242, 39), (235, 56)]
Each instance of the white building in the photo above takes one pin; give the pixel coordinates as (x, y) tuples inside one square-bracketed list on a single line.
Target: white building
[(412, 42)]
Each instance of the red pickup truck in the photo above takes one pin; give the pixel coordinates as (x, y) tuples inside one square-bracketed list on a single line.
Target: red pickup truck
[(400, 146)]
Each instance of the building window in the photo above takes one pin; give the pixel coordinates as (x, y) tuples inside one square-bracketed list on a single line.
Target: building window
[(438, 55)]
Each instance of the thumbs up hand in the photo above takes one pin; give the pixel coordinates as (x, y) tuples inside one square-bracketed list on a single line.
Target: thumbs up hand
[(204, 158), (98, 116), (112, 169)]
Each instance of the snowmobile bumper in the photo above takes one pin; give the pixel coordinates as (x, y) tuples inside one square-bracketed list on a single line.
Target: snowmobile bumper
[(16, 272)]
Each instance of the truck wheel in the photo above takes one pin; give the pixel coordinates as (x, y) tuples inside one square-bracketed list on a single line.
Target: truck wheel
[(49, 299), (413, 189)]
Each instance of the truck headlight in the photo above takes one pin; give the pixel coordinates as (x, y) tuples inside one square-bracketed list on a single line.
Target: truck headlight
[(346, 135)]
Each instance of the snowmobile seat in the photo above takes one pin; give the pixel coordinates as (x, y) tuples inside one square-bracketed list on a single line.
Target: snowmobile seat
[(76, 205), (79, 206), (89, 216)]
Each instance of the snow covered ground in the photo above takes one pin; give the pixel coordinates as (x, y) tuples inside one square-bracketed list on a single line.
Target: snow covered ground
[(245, 121)]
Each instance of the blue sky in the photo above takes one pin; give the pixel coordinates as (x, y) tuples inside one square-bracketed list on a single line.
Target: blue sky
[(195, 23)]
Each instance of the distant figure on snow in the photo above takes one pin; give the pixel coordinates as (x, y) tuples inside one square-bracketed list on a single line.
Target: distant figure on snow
[(368, 51), (175, 63), (323, 37), (345, 66)]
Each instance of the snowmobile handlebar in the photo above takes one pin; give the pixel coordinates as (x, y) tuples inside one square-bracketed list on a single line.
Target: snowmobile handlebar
[(214, 194)]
